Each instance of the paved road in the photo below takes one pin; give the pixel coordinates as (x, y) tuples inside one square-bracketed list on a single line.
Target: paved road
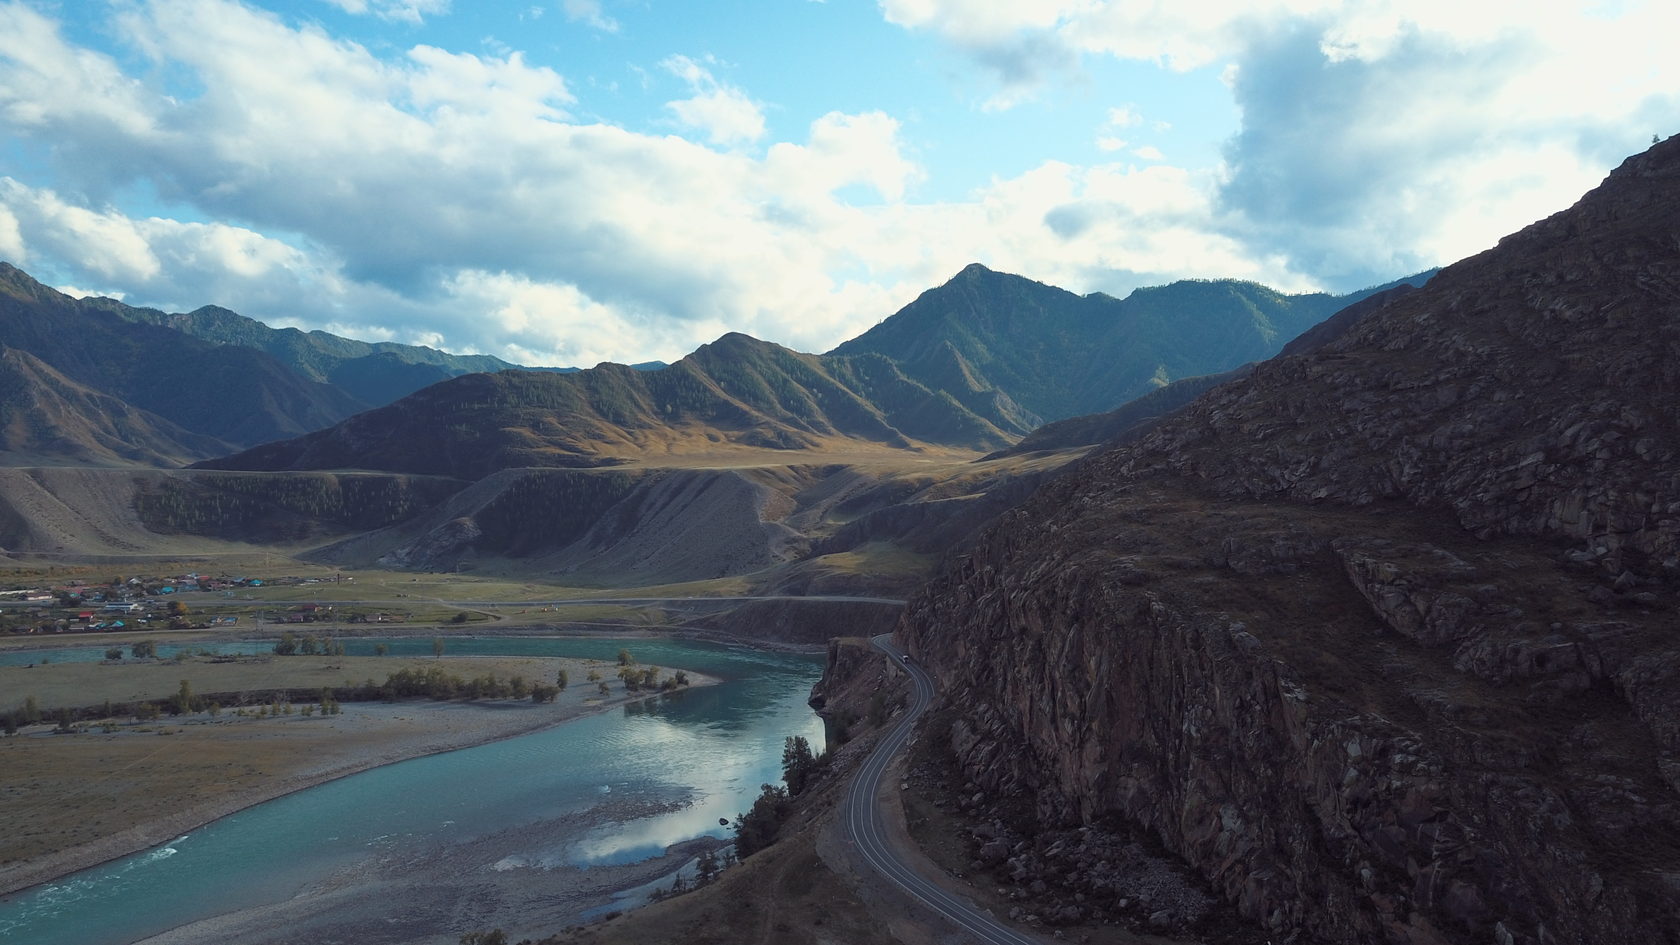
[(866, 829)]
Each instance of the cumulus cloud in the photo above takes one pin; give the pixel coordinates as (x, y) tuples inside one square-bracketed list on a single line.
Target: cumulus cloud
[(1384, 144), (1377, 136), (723, 112), (455, 198), (182, 264), (414, 189), (843, 150)]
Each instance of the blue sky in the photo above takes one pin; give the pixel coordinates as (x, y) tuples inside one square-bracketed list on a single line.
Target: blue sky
[(568, 181)]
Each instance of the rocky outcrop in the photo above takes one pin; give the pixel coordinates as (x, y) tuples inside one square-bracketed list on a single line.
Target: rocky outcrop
[(1379, 639), (859, 689)]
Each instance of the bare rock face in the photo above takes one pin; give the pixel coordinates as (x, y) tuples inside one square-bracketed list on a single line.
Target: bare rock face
[(1380, 639), (1528, 390)]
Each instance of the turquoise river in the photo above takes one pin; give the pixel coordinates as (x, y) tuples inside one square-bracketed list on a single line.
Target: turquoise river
[(553, 808)]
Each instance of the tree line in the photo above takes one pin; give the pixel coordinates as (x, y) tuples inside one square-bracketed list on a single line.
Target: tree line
[(756, 828)]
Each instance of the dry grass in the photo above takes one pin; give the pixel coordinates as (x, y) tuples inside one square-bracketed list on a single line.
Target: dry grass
[(70, 801), (63, 791), (878, 558), (92, 684)]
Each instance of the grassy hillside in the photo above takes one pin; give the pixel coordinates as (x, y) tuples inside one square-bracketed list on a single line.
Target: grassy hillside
[(46, 417), (735, 392)]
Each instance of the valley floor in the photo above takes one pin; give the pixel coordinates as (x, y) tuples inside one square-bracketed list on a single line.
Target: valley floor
[(74, 801)]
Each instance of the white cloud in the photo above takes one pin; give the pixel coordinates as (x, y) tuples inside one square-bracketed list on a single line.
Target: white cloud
[(441, 197), (843, 150), (498, 90), (1119, 119), (545, 322), (11, 235), (77, 292), (723, 112), (1126, 116), (1377, 135), (589, 13), (402, 11), (189, 263), (49, 83), (105, 244)]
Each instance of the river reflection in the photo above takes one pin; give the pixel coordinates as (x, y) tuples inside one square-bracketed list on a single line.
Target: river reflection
[(616, 788)]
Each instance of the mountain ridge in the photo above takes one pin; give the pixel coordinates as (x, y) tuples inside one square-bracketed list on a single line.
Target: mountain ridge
[(1378, 637), (235, 394), (734, 392), (375, 372), (47, 416), (1055, 355)]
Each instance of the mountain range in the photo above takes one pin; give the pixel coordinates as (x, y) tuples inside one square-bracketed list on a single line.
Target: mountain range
[(962, 367), (212, 381), (849, 469), (844, 471), (1031, 353)]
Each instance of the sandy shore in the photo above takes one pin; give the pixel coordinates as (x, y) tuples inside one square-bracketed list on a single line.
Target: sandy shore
[(431, 897), (365, 736)]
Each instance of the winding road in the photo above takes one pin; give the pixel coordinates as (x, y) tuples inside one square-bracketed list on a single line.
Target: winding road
[(865, 824)]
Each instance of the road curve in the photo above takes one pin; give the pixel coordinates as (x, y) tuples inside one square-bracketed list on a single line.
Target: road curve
[(866, 829)]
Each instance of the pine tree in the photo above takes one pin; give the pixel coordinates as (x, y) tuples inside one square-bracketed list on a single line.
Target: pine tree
[(799, 766)]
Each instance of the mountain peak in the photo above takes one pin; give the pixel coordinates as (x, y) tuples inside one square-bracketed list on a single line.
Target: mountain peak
[(736, 342), (736, 338), (20, 284)]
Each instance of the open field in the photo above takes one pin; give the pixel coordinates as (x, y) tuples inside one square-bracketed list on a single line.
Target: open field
[(440, 604), (423, 602), (92, 684)]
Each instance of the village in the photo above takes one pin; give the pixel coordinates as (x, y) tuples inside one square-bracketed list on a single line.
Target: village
[(161, 602)]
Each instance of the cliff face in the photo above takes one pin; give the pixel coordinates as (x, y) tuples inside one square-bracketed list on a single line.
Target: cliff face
[(1380, 638)]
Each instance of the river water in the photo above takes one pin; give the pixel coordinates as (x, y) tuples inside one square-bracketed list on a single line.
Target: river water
[(660, 772)]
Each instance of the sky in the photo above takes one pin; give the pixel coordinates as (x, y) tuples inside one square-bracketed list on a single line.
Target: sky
[(562, 182)]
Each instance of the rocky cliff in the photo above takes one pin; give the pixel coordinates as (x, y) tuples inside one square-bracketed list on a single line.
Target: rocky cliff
[(1380, 639)]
